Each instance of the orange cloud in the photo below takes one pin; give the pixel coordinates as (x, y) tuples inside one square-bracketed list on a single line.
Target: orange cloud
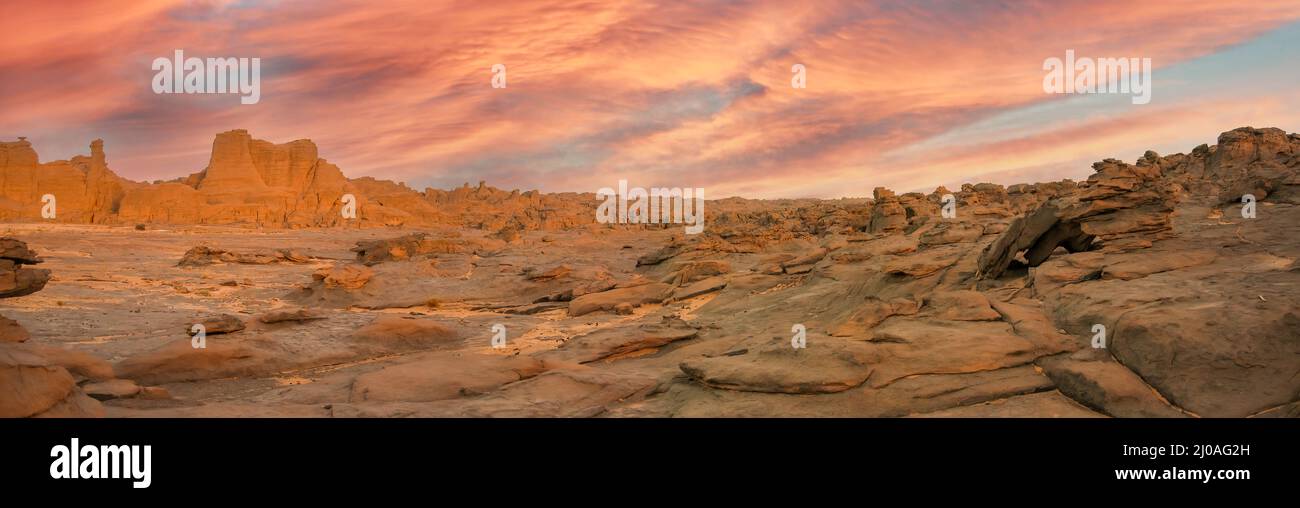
[(690, 94)]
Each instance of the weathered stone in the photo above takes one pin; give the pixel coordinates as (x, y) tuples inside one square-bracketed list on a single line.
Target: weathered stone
[(635, 296)]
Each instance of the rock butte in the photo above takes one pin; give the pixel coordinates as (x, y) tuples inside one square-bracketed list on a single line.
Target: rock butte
[(257, 183), (907, 313)]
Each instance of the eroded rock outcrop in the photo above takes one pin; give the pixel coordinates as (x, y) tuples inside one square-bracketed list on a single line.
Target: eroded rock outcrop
[(39, 380), (1156, 253), (203, 255), (254, 182), (1127, 206), (84, 189), (15, 279), (882, 306)]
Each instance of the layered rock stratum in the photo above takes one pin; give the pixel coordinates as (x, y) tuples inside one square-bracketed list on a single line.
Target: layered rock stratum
[(1162, 288), (258, 183)]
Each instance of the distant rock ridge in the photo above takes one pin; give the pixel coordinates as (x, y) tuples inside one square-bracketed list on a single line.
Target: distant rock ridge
[(1120, 205), (1127, 206), (258, 183), (87, 191)]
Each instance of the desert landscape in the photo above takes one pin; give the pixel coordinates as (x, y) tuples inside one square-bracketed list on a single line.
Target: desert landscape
[(480, 301)]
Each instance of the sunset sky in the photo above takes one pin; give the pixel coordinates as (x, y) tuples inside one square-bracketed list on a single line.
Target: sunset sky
[(906, 94)]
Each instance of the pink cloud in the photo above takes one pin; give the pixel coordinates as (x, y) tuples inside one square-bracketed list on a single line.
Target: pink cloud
[(672, 92)]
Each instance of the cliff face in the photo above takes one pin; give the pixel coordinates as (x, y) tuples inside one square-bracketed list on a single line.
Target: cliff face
[(85, 189), (248, 181), (254, 182)]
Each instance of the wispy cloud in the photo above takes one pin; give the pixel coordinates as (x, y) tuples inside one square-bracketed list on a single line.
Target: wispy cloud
[(900, 93)]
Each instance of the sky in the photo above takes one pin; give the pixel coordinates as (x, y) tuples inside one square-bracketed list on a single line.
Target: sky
[(906, 94)]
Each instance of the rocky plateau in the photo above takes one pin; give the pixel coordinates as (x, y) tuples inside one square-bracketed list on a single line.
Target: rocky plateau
[(481, 302)]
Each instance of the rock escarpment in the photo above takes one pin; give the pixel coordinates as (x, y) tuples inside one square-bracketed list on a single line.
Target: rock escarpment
[(85, 189), (258, 183), (250, 181)]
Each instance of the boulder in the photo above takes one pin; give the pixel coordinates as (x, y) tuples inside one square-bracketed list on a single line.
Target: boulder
[(15, 279), (11, 331), (203, 256), (34, 385), (349, 276)]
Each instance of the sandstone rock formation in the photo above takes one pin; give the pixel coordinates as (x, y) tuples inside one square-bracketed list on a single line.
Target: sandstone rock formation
[(38, 380), (85, 189), (202, 255), (515, 304), (15, 280), (258, 183)]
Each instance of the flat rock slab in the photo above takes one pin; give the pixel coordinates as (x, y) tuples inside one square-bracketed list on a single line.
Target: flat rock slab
[(442, 375), (535, 308), (344, 276), (701, 287), (78, 363), (931, 392), (635, 296), (180, 361), (203, 255), (1216, 340), (826, 365), (615, 341), (577, 392), (1097, 381), (1029, 321), (215, 325), (916, 394), (112, 389), (295, 316), (960, 306), (1035, 405), (925, 262), (870, 313), (905, 347), (1144, 263), (396, 333)]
